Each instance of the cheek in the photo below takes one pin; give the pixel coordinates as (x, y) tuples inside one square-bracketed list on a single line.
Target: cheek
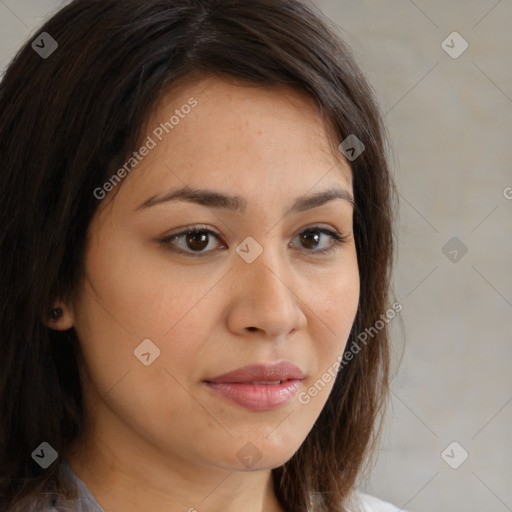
[(133, 295), (123, 305), (140, 290), (333, 309)]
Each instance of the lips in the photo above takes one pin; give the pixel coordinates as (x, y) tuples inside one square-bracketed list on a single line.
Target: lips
[(262, 373), (259, 387)]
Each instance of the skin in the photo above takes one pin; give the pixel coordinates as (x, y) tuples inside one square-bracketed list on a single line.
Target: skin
[(156, 437)]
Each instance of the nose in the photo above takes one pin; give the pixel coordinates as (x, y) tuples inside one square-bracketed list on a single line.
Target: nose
[(265, 297)]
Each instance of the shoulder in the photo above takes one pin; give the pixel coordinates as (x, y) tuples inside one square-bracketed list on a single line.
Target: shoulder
[(76, 499), (41, 503), (365, 503)]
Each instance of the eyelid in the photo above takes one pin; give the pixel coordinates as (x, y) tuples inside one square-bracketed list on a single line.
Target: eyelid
[(192, 227)]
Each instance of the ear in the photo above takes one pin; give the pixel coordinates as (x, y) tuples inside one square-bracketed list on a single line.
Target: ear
[(62, 321)]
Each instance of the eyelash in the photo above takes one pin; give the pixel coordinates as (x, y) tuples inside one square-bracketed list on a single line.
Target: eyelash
[(337, 240)]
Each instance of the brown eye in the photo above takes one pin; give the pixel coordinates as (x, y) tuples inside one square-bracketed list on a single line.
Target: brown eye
[(192, 242), (311, 238), (197, 240)]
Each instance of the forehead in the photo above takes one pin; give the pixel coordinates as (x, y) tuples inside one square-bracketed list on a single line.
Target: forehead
[(231, 115), (244, 136)]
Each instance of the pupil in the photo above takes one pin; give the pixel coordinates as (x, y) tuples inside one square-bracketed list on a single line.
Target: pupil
[(197, 240), (309, 236)]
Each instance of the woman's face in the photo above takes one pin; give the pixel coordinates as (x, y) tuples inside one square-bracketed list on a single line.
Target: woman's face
[(159, 318)]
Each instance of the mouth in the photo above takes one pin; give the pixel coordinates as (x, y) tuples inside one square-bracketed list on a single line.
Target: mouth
[(259, 387), (266, 383)]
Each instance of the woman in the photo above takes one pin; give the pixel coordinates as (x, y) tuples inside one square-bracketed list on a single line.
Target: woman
[(196, 240)]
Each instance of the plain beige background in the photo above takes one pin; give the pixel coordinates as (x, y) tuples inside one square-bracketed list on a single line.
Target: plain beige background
[(450, 123)]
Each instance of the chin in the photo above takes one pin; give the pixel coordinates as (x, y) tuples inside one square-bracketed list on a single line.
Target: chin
[(253, 457)]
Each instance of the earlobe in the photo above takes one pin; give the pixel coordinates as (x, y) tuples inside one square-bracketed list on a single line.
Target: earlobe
[(59, 318)]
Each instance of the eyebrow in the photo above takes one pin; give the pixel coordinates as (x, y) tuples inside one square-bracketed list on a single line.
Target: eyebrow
[(212, 199)]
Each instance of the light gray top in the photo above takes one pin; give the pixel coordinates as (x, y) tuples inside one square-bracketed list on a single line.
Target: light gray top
[(85, 501)]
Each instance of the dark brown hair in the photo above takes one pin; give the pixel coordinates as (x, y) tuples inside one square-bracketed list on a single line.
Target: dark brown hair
[(70, 120)]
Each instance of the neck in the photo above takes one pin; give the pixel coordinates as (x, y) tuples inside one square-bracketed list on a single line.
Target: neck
[(143, 478)]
